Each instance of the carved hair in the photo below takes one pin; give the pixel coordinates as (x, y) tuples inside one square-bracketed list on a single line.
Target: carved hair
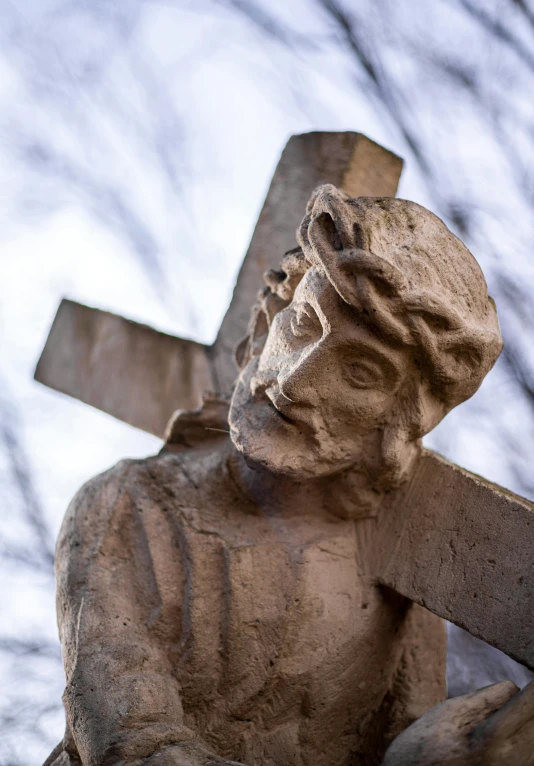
[(414, 282)]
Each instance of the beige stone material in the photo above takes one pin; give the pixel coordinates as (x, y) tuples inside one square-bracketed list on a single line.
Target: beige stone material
[(198, 620), (219, 602), (471, 545), (129, 370)]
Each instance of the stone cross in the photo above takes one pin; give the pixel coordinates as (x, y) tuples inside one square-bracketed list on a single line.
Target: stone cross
[(449, 540)]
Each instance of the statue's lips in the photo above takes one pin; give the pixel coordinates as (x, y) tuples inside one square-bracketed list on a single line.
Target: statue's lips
[(285, 409), (268, 393), (280, 413)]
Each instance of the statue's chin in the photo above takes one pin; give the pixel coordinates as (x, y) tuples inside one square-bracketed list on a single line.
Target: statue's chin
[(267, 447), (267, 441), (271, 442), (282, 450), (265, 452)]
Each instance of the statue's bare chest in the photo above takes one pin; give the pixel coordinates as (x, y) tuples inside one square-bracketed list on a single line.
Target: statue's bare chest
[(284, 650), (282, 636)]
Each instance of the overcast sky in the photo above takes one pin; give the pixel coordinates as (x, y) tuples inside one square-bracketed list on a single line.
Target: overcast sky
[(235, 101)]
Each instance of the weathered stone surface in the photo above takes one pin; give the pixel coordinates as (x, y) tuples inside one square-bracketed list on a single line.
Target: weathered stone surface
[(220, 602), (129, 370), (199, 620), (462, 547), (371, 331)]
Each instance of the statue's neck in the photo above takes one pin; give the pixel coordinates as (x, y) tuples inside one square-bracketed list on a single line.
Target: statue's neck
[(344, 494)]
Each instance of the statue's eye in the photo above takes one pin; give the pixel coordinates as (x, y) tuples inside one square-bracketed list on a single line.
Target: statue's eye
[(304, 322), (362, 373)]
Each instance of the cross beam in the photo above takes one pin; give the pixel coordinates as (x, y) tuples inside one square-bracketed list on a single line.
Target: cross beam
[(463, 548), (131, 371), (141, 376)]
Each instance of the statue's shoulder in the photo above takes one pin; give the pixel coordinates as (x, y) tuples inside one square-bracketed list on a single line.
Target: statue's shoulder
[(195, 443), (94, 507), (189, 473), (103, 489), (182, 476), (134, 500)]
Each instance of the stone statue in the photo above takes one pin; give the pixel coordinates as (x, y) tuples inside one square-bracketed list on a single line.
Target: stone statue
[(213, 601)]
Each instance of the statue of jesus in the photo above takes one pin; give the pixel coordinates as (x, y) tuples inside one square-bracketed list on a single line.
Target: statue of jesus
[(213, 600)]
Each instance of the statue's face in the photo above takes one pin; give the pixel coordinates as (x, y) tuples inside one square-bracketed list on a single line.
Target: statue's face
[(317, 399)]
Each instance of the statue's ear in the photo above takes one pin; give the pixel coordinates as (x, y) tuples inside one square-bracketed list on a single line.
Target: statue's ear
[(459, 356)]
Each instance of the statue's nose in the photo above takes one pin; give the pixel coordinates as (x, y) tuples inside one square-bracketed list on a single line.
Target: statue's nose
[(296, 380)]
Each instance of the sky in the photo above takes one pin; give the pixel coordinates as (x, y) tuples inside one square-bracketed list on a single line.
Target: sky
[(227, 105)]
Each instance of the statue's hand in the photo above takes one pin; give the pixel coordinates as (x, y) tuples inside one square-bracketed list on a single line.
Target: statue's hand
[(493, 726)]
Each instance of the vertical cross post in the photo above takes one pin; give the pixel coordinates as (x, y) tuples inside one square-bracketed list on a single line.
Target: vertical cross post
[(351, 162)]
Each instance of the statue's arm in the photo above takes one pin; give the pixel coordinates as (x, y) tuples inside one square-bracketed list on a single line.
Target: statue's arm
[(122, 701)]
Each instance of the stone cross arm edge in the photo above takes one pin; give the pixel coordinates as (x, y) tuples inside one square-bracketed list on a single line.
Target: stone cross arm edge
[(127, 369), (121, 367), (462, 547)]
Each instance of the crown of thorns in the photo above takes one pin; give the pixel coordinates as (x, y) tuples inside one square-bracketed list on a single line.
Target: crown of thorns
[(411, 279)]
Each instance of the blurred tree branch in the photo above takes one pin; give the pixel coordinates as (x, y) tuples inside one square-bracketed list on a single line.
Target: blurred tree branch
[(98, 121)]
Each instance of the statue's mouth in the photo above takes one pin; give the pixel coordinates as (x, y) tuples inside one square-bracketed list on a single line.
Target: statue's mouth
[(268, 392), (279, 412), (279, 403)]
